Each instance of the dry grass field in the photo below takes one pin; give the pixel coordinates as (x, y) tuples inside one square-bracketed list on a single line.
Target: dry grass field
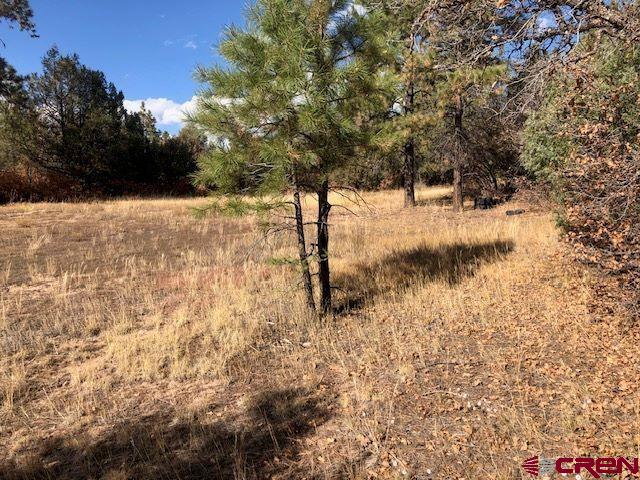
[(138, 342)]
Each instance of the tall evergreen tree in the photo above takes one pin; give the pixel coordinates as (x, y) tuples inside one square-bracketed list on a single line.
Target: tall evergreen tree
[(461, 90), (15, 116), (412, 61), (286, 112), (80, 117)]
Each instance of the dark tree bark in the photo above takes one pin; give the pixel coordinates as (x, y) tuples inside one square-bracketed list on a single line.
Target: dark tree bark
[(458, 162), (324, 277), (302, 252), (409, 174), (409, 151), (458, 196)]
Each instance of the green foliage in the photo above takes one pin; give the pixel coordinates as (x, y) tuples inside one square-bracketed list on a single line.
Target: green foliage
[(17, 118), (70, 122), (481, 142), (585, 140), (238, 206), (548, 143), (544, 151), (290, 111), (18, 11), (432, 73), (284, 261), (410, 60), (11, 84), (80, 120), (289, 108)]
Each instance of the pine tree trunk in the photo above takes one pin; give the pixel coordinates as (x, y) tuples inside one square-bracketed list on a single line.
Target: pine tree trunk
[(324, 277), (409, 151), (458, 170), (302, 252), (458, 195), (409, 174)]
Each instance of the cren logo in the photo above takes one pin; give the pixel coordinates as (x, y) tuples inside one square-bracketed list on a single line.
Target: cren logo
[(596, 467), (532, 466)]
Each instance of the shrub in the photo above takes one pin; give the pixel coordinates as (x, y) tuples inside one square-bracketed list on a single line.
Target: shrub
[(585, 143)]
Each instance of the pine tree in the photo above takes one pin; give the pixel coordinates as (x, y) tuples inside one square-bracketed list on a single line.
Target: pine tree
[(411, 60), (15, 116), (287, 111), (80, 118), (459, 90)]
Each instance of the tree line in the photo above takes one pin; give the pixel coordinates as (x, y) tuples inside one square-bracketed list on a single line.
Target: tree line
[(65, 133)]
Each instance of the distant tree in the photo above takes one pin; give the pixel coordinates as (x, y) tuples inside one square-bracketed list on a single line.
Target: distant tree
[(16, 117), (285, 114), (11, 84), (179, 155), (151, 132), (154, 159), (140, 160), (441, 84), (494, 165), (70, 123), (80, 118), (12, 93), (194, 139), (464, 91), (411, 59)]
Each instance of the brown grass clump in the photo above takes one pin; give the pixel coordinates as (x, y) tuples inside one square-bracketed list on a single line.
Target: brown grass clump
[(139, 342)]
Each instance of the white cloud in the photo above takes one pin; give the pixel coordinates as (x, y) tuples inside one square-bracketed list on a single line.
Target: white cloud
[(187, 42), (166, 111)]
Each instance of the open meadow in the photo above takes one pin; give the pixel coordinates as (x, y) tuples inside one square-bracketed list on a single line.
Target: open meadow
[(419, 258), (139, 342)]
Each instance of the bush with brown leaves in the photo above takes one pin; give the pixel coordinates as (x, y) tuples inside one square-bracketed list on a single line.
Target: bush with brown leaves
[(585, 141)]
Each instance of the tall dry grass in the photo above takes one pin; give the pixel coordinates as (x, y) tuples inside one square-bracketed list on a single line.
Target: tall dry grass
[(147, 344)]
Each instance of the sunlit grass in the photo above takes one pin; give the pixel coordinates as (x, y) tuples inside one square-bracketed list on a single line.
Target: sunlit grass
[(454, 335)]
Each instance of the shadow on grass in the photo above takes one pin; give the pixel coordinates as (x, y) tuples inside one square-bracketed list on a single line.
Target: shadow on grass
[(402, 269), (441, 201), (261, 443)]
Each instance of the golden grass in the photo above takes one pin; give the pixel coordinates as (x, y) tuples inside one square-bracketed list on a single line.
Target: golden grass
[(139, 342)]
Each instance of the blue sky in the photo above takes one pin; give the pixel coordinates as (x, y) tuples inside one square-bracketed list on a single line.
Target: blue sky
[(148, 48)]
